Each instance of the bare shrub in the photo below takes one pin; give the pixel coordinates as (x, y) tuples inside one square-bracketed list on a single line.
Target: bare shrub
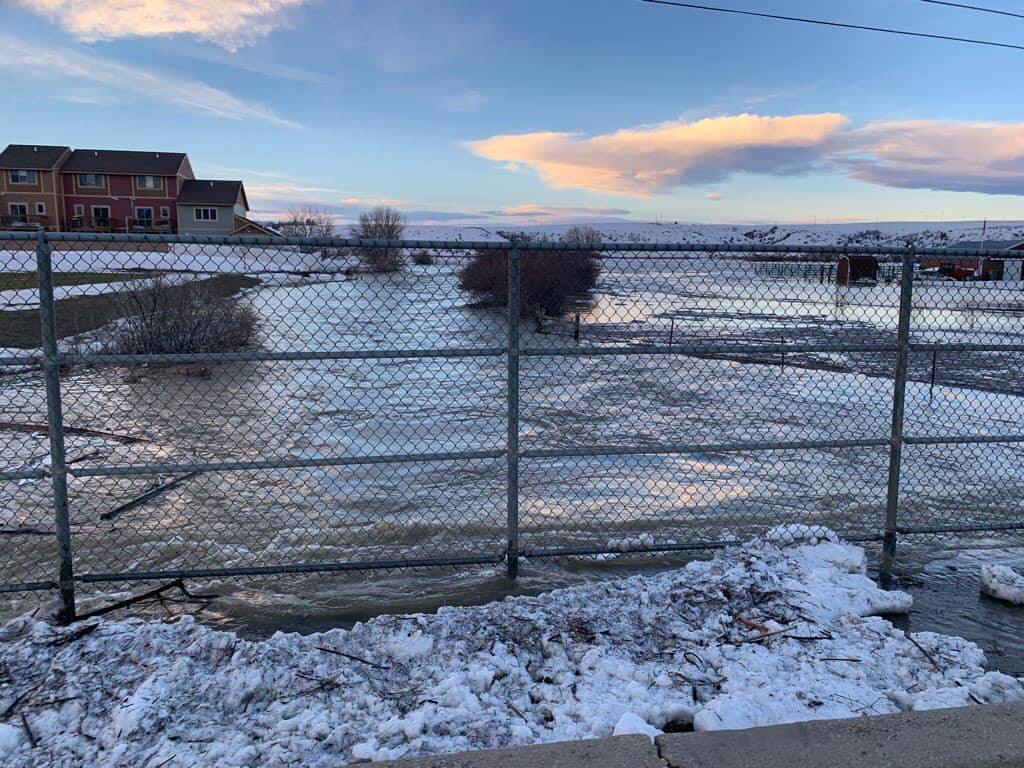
[(161, 318), (423, 258), (550, 281), (307, 222), (381, 223)]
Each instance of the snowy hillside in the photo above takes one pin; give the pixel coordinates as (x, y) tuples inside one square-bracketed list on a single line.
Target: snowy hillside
[(885, 234)]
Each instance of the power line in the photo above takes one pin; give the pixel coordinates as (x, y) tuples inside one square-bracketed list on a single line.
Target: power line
[(975, 8), (823, 23)]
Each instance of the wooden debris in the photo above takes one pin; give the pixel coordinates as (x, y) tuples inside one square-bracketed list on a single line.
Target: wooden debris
[(764, 635), (138, 501), (152, 594), (43, 429), (752, 624), (925, 653), (353, 658), (25, 530), (28, 731)]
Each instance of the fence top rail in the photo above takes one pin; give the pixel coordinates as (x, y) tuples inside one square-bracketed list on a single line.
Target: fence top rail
[(463, 245)]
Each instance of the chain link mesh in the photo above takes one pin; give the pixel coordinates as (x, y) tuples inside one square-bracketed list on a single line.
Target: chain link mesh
[(265, 407)]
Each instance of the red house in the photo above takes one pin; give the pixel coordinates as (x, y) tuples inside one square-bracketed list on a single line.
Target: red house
[(116, 190)]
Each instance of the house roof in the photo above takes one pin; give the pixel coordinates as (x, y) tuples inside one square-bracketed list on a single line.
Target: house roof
[(988, 245), (211, 192), (121, 161), (31, 157)]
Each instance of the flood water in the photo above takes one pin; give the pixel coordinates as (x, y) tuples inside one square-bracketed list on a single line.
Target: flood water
[(350, 408)]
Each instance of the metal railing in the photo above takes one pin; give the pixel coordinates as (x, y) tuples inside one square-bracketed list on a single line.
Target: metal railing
[(668, 328)]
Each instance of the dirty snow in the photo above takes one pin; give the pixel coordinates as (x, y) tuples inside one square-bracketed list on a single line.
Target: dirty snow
[(635, 655), (1002, 583)]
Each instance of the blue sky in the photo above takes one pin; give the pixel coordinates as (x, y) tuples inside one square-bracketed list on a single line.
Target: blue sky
[(470, 110)]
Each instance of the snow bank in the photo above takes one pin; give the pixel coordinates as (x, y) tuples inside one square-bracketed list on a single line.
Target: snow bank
[(762, 633), (1002, 583)]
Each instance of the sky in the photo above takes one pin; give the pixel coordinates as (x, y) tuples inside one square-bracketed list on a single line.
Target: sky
[(539, 111)]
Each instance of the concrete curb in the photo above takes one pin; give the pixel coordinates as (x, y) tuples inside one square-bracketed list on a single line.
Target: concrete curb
[(971, 737), (617, 751)]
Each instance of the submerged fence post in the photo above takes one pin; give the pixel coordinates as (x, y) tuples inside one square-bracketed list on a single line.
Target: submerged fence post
[(512, 438), (899, 394), (55, 423)]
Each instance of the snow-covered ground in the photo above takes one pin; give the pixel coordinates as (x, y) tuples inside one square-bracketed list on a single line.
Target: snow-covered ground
[(179, 256), (777, 630), (1002, 583), (880, 234)]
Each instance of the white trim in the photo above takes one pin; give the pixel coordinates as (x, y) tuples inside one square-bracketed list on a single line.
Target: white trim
[(197, 209), (40, 208)]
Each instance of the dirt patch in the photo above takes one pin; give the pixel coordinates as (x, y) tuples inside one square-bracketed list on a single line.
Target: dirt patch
[(17, 281), (79, 314)]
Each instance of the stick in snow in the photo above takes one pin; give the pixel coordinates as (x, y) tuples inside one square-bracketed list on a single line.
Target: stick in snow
[(350, 656), (138, 501), (925, 653), (763, 635)]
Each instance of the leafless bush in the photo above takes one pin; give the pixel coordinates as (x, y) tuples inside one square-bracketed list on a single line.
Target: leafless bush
[(549, 280), (309, 222), (381, 223), (423, 258), (161, 318)]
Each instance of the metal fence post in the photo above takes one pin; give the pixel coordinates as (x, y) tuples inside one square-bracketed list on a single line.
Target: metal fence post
[(55, 422), (512, 438), (899, 394)]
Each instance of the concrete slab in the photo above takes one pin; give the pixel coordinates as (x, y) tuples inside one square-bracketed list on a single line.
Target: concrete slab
[(614, 752), (972, 737)]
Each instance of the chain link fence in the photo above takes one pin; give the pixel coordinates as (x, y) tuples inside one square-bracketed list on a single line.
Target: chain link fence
[(191, 406)]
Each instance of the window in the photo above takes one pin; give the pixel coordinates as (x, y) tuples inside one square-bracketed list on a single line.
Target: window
[(91, 180), (23, 177), (165, 212), (206, 214), (149, 182), (41, 209), (79, 210), (101, 214), (144, 215), (19, 211)]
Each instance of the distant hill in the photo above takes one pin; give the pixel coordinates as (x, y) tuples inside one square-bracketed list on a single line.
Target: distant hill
[(885, 234)]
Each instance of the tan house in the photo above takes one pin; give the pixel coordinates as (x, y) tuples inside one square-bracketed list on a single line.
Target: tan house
[(30, 187)]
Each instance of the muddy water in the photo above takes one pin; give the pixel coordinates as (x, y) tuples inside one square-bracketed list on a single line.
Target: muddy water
[(329, 408)]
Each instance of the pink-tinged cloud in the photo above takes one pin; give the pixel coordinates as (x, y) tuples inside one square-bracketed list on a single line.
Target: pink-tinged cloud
[(939, 155), (230, 24), (532, 209), (714, 196), (650, 160)]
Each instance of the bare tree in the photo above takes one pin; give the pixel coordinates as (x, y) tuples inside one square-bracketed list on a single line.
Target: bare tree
[(307, 222), (383, 223)]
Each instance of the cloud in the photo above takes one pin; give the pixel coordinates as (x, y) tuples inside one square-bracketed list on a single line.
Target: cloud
[(555, 211), (714, 196), (650, 160), (230, 24), (68, 67), (464, 103), (939, 155)]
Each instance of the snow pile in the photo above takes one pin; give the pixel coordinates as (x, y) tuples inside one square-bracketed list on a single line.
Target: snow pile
[(760, 634), (1002, 583)]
